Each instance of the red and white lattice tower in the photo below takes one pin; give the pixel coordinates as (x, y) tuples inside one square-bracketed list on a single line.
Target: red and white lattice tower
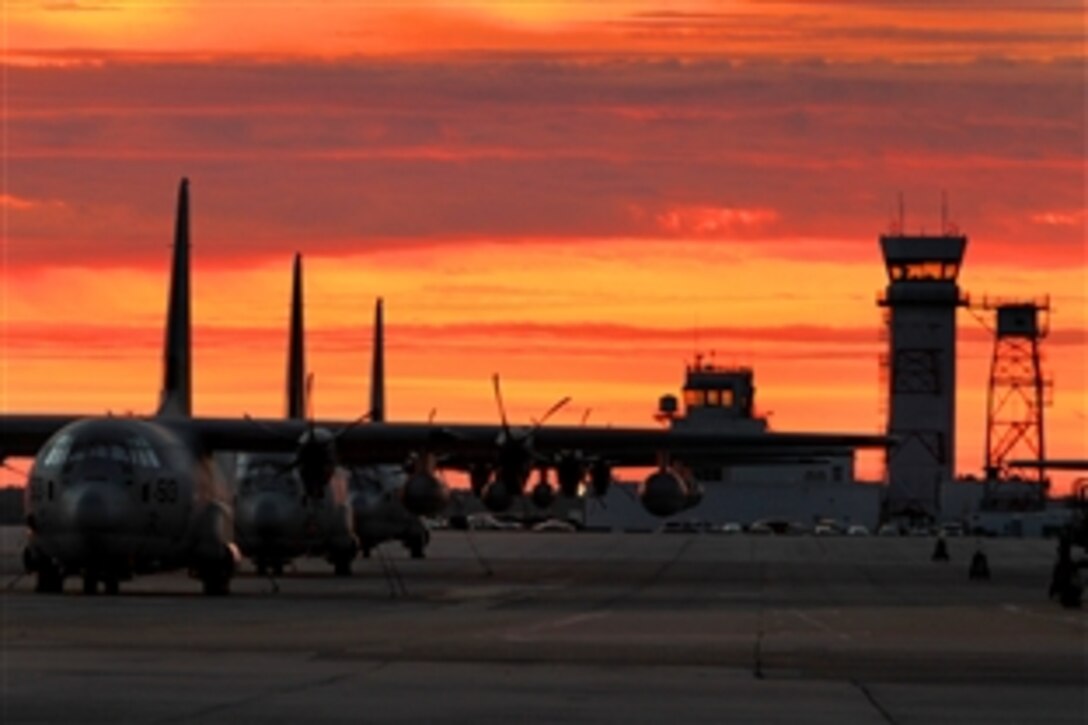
[(1018, 391)]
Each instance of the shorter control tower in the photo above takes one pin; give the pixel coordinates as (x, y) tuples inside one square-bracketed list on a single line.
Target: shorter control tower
[(716, 397), (921, 301), (1017, 393)]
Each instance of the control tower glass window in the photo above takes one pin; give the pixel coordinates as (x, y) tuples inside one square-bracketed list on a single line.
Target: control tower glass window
[(714, 397), (694, 398), (923, 271)]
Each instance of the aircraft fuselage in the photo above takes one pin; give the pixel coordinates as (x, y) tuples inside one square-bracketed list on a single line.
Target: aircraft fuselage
[(276, 521), (108, 498), (379, 513)]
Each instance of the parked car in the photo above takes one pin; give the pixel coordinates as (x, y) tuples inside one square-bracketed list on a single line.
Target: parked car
[(827, 527), (487, 522), (686, 526), (857, 530), (556, 525)]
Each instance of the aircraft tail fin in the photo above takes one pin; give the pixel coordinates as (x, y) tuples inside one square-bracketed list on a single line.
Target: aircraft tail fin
[(296, 352), (377, 368), (175, 398)]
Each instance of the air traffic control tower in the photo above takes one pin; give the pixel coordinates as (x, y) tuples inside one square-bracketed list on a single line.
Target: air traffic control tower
[(921, 301)]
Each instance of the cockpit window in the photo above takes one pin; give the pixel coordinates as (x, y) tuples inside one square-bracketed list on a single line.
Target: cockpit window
[(136, 451), (97, 451), (142, 453), (58, 451)]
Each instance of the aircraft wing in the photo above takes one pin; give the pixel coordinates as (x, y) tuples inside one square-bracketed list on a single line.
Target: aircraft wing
[(356, 443), (463, 443), (467, 443), (24, 435)]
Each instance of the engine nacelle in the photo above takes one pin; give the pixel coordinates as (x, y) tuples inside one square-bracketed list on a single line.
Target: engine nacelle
[(695, 495), (542, 495), (497, 497), (600, 478), (514, 465), (664, 493), (316, 461), (478, 477), (511, 478), (215, 550), (570, 470), (424, 494)]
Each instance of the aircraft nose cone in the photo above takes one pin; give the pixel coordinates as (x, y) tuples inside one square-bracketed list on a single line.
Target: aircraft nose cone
[(424, 495), (269, 518), (92, 510)]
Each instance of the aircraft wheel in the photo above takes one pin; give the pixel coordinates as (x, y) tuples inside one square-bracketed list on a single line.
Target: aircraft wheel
[(50, 580), (90, 584), (262, 569), (417, 550), (277, 569), (111, 585), (216, 586), (342, 567)]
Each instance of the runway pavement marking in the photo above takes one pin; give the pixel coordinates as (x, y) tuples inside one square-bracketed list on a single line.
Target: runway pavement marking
[(201, 714), (530, 634), (819, 624), (1071, 619), (757, 656)]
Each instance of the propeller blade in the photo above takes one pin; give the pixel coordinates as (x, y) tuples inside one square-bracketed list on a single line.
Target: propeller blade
[(309, 407), (585, 416), (552, 411), (354, 424), (498, 400)]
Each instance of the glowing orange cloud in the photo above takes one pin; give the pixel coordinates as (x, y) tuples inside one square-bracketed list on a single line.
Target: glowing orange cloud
[(707, 220), (542, 314), (576, 195), (745, 28)]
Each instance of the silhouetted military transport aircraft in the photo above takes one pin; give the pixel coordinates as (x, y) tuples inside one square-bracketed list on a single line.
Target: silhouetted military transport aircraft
[(109, 497), (388, 500), (277, 517)]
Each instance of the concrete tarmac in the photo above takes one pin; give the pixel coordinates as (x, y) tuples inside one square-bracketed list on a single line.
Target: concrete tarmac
[(544, 627)]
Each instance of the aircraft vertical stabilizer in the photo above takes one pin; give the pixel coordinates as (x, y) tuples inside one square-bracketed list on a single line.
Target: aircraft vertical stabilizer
[(175, 399), (377, 368), (296, 353)]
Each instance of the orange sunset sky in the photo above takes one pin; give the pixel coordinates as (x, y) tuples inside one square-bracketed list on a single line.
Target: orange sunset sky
[(577, 195)]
